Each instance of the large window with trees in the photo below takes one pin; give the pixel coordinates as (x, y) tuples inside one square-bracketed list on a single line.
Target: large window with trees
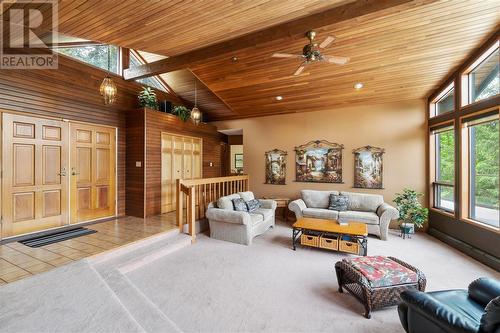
[(443, 141), (481, 135), (100, 55)]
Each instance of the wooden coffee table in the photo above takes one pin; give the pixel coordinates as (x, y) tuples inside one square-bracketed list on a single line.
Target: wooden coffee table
[(328, 234)]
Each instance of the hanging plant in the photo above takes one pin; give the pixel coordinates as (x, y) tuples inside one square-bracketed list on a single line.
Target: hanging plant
[(147, 98), (182, 112)]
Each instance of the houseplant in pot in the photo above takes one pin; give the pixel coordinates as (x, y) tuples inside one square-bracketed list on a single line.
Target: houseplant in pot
[(182, 112), (411, 212), (147, 98)]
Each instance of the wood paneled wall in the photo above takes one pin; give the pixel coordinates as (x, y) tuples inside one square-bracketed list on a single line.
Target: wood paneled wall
[(147, 179), (72, 92)]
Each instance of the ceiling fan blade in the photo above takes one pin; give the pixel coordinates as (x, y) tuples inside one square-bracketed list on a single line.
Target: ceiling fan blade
[(328, 40), (300, 69), (286, 55), (336, 60)]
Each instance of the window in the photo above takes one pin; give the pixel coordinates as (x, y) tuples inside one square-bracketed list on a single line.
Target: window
[(151, 81), (443, 140), (96, 55), (444, 102), (483, 169), (481, 81)]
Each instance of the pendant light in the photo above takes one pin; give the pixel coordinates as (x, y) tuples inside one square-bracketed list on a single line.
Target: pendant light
[(108, 88), (195, 112)]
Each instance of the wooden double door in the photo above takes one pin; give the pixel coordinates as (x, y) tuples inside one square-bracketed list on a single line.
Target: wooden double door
[(55, 173), (180, 159)]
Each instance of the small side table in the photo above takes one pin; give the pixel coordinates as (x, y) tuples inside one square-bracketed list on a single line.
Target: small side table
[(281, 203)]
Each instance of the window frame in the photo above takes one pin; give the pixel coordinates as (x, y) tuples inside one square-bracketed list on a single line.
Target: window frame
[(119, 65), (466, 87), (465, 174), (444, 92), (435, 184), (135, 54)]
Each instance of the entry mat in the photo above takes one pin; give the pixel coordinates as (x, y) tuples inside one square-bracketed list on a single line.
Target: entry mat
[(56, 237)]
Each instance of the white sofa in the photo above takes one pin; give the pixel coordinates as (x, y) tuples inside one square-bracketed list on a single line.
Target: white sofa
[(239, 227), (366, 208)]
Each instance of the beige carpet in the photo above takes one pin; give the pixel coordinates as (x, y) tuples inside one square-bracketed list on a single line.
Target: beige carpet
[(216, 286)]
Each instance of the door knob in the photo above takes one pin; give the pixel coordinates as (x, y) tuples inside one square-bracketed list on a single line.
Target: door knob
[(73, 172), (63, 172)]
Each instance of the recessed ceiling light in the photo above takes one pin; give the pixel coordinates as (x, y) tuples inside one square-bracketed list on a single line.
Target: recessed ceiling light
[(234, 58), (279, 98), (358, 85)]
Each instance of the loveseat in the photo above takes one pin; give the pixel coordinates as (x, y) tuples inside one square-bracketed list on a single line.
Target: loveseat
[(365, 208), (239, 226)]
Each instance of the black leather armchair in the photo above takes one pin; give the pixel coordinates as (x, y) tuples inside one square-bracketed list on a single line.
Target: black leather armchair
[(474, 310)]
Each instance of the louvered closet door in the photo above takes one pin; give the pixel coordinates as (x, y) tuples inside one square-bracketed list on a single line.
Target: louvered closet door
[(35, 185), (167, 176), (93, 172)]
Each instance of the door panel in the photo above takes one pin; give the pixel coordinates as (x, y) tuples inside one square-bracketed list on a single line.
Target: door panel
[(35, 187), (93, 172), (180, 158)]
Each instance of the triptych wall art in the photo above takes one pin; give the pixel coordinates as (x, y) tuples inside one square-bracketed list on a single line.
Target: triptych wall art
[(320, 161)]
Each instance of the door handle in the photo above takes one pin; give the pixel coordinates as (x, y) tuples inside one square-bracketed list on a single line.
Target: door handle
[(63, 172), (73, 172)]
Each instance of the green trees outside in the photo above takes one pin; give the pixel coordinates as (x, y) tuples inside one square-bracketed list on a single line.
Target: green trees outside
[(486, 169), (96, 55), (485, 138)]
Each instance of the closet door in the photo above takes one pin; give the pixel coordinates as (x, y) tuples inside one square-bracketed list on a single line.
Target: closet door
[(93, 172), (35, 186), (167, 173), (188, 158), (197, 158)]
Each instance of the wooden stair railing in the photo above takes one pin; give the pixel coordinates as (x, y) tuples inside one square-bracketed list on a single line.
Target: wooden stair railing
[(198, 193)]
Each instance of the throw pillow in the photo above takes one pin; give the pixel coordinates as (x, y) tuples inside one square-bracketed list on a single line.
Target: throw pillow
[(491, 317), (338, 202), (239, 205), (253, 205)]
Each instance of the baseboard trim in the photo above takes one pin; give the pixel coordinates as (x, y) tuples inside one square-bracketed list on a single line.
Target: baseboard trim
[(468, 249)]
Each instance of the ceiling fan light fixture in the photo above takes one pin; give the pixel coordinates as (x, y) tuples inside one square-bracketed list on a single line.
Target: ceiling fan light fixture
[(358, 85)]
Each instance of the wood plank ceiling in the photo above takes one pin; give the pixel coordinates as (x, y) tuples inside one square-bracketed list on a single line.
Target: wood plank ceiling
[(398, 56)]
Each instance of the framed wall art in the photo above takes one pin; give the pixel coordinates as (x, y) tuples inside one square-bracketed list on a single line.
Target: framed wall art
[(276, 167), (368, 167), (238, 161), (319, 162)]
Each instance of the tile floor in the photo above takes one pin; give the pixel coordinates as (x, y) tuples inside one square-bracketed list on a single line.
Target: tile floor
[(18, 261)]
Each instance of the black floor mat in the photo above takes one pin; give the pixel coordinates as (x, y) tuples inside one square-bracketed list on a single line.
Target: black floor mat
[(56, 237)]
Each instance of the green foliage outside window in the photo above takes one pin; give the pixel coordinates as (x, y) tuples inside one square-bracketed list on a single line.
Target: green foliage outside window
[(96, 55), (486, 168), (446, 165)]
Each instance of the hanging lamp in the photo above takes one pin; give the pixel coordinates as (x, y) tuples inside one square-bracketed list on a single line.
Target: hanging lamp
[(108, 88), (195, 112)]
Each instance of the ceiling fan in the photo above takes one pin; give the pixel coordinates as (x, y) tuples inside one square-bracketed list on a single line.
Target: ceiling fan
[(312, 53)]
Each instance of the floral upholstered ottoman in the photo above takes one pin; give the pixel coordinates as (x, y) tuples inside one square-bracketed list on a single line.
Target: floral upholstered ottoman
[(377, 281)]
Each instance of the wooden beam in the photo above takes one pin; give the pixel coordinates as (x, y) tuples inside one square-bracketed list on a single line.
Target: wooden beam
[(284, 31)]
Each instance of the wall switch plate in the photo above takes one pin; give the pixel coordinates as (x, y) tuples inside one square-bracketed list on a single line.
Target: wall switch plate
[(138, 164)]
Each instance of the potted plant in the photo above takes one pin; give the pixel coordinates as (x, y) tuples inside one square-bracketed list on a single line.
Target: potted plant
[(182, 112), (411, 212), (147, 98)]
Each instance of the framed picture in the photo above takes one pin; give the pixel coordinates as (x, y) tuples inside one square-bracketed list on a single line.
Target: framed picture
[(319, 162), (276, 167), (238, 161), (368, 167)]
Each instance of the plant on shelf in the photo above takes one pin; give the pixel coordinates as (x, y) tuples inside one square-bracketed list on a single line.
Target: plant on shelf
[(147, 98), (182, 112), (410, 208)]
